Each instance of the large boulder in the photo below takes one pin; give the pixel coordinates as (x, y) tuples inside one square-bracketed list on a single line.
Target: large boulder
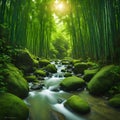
[(104, 80), (79, 67), (12, 107), (16, 84), (51, 68), (25, 61), (88, 74), (77, 104), (115, 101), (72, 83)]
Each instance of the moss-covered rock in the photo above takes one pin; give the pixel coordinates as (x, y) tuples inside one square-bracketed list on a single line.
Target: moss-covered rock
[(72, 83), (88, 74), (31, 78), (115, 101), (79, 68), (16, 84), (76, 104), (104, 80), (43, 62), (25, 61), (12, 107), (51, 68), (40, 72), (67, 74)]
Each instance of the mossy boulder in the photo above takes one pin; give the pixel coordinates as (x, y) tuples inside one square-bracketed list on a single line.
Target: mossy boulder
[(25, 61), (79, 68), (16, 84), (104, 80), (88, 74), (51, 68), (67, 74), (40, 72), (31, 78), (72, 83), (43, 62), (77, 104), (115, 101), (12, 107)]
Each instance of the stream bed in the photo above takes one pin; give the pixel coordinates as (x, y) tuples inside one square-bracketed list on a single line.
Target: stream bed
[(48, 102)]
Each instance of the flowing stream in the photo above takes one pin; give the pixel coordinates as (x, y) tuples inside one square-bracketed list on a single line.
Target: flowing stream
[(48, 102)]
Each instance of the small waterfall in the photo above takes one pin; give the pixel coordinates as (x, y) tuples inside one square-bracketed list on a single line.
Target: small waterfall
[(49, 98)]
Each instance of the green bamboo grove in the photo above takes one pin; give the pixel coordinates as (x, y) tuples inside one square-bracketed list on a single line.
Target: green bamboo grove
[(93, 26)]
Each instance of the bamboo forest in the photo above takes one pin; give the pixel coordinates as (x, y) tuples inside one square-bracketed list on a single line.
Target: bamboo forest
[(59, 59)]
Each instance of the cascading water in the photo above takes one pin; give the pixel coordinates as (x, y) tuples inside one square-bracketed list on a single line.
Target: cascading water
[(48, 102), (43, 102)]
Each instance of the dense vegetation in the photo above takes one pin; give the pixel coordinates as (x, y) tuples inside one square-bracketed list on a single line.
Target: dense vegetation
[(90, 27), (85, 34)]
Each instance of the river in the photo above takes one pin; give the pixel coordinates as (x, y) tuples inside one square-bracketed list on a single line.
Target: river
[(48, 102)]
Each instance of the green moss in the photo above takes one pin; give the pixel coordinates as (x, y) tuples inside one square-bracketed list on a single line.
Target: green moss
[(115, 101), (67, 74), (75, 61), (43, 62), (72, 83), (16, 84), (79, 67), (40, 73), (31, 78), (88, 74), (104, 80), (25, 61), (51, 68), (12, 107), (76, 104)]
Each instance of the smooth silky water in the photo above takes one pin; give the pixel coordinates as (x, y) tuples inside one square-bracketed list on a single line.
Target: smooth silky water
[(48, 103)]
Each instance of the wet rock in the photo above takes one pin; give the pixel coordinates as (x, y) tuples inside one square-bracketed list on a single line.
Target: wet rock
[(40, 72), (51, 68), (79, 68), (77, 104), (67, 74), (31, 78), (115, 101), (43, 62), (12, 107), (25, 61), (105, 78), (37, 86), (88, 74), (60, 100), (72, 83), (16, 84)]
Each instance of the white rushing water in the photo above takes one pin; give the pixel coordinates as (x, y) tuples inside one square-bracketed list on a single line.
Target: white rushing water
[(49, 98)]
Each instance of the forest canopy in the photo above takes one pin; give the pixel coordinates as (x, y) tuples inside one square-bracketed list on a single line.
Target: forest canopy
[(91, 27)]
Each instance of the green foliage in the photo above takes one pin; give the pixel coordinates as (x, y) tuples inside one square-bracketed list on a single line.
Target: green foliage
[(12, 107), (72, 83), (77, 104), (61, 45)]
